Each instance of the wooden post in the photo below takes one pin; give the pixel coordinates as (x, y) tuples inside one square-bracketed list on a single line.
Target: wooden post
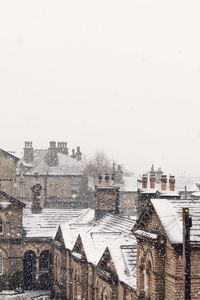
[(186, 254)]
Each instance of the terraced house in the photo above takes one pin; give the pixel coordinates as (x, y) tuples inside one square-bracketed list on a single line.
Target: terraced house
[(77, 253)]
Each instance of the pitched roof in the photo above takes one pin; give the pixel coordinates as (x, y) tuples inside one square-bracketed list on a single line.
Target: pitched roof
[(12, 199), (46, 223), (9, 154), (110, 231), (169, 212), (66, 165)]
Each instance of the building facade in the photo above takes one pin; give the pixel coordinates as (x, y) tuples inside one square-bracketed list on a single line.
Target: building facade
[(60, 175)]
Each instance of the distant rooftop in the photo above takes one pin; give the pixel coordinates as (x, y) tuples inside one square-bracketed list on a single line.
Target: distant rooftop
[(66, 165)]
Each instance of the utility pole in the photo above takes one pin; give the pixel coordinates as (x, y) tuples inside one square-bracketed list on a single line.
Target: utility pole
[(186, 253)]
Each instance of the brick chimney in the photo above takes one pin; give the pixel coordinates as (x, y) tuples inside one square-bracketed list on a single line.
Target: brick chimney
[(106, 197), (144, 181), (78, 154), (152, 181), (62, 148), (28, 152), (36, 198), (163, 182), (172, 183), (52, 158)]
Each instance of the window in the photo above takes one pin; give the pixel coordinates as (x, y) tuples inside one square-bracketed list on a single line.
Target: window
[(74, 190), (1, 226), (1, 264)]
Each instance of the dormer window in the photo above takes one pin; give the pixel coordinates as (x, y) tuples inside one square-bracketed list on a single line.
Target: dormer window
[(1, 226)]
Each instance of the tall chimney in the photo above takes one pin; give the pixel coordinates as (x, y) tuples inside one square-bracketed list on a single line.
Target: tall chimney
[(163, 182), (52, 159), (172, 183), (62, 148), (28, 152), (144, 181), (36, 198), (106, 198), (78, 154), (152, 181)]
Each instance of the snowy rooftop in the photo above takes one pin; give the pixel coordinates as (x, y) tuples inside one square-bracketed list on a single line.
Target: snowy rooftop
[(66, 165), (110, 231), (169, 212), (45, 224)]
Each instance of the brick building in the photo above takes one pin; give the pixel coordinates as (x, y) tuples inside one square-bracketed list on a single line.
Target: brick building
[(60, 175)]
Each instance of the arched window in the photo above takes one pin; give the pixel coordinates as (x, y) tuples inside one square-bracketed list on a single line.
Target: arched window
[(148, 281), (1, 226), (1, 264)]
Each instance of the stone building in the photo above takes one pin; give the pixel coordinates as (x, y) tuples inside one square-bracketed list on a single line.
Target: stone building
[(60, 175), (8, 163), (97, 258), (76, 252), (159, 249)]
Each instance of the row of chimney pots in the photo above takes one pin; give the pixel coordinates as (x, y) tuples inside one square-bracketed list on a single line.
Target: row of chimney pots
[(152, 180)]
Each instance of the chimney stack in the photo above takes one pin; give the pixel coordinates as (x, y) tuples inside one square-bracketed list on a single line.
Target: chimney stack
[(163, 182), (28, 152), (62, 148), (52, 154), (144, 181), (172, 183), (36, 198), (78, 154), (152, 181), (106, 197)]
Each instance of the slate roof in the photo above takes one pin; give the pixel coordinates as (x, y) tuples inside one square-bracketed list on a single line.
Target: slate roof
[(111, 231), (46, 223), (9, 154), (169, 212), (66, 165)]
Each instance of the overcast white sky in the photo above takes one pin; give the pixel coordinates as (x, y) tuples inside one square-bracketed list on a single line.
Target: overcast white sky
[(122, 77)]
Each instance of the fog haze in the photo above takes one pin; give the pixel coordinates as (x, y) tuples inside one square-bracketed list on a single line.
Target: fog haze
[(122, 77)]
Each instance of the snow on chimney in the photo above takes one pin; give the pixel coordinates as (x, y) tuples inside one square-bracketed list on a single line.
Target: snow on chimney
[(28, 152)]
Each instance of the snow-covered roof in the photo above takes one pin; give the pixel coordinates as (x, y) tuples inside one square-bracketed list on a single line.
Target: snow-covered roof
[(169, 212), (189, 182), (111, 231), (45, 224), (66, 165)]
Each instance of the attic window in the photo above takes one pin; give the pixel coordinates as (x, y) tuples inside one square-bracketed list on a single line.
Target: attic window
[(1, 226), (1, 264)]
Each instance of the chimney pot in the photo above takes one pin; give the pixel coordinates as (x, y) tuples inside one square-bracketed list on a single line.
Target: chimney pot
[(172, 182), (152, 181), (100, 179), (114, 176), (144, 181), (163, 182), (107, 179)]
